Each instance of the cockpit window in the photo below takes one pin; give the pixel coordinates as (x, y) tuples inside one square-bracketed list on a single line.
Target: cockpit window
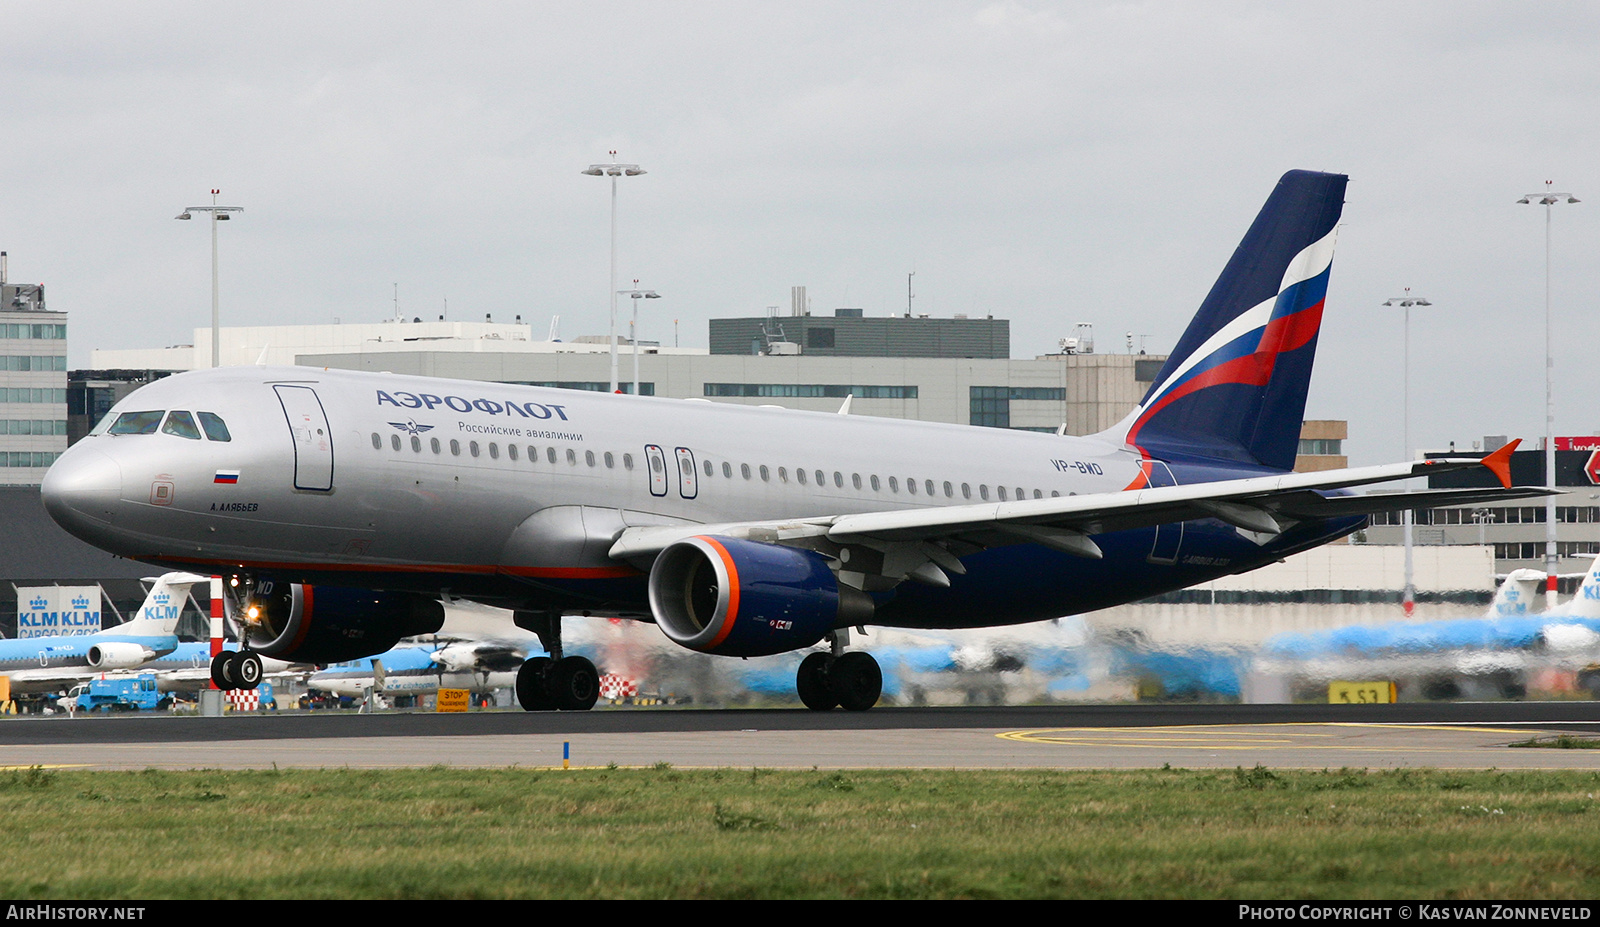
[(216, 428), (182, 425), (137, 423)]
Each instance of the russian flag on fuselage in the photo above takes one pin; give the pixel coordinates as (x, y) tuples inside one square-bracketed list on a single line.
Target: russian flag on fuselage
[(1235, 385)]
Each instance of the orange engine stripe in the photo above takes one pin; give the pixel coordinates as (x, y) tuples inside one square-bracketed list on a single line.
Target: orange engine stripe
[(733, 591), (305, 615)]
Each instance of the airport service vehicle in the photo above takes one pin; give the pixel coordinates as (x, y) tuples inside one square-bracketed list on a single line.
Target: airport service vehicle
[(47, 664), (342, 506), (116, 693)]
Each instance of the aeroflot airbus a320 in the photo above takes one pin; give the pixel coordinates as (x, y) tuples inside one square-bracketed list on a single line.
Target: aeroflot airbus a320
[(342, 506)]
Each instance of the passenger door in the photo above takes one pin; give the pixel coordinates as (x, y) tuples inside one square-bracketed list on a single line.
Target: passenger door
[(313, 443)]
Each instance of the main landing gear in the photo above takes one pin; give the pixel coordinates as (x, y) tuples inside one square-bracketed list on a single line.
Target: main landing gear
[(852, 681), (236, 669), (556, 682), (567, 684)]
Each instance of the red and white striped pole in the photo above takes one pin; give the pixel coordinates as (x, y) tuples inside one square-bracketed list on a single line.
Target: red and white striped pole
[(216, 619)]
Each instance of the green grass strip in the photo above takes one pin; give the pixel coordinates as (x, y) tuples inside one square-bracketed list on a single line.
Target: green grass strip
[(675, 833)]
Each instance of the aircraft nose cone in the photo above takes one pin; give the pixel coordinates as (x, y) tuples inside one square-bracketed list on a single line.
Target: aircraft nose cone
[(80, 490)]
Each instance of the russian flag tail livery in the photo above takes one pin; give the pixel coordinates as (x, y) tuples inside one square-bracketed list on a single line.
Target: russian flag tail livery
[(1235, 385)]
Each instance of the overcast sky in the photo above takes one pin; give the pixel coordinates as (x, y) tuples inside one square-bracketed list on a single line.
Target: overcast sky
[(1050, 163)]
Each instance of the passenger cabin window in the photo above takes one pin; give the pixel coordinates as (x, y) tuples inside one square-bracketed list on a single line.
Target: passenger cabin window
[(588, 457), (627, 461), (455, 447), (572, 457), (550, 454), (434, 444), (394, 442), (494, 451), (611, 461), (800, 475), (377, 441), (416, 444), (511, 451), (710, 469), (766, 475), (137, 423), (215, 428)]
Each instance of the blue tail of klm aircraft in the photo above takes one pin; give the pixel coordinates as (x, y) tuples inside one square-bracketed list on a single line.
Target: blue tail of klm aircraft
[(1235, 386)]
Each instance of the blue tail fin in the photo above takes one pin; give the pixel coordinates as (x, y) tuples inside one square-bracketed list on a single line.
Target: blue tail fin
[(1235, 385)]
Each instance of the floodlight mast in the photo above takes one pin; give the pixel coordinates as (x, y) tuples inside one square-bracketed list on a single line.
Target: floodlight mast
[(218, 214), (633, 327), (614, 170), (1408, 596), (1551, 561)]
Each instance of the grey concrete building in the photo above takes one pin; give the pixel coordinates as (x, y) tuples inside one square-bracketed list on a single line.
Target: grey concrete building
[(33, 382), (849, 333)]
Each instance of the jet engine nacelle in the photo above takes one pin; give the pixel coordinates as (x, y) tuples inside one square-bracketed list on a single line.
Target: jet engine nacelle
[(743, 598), (302, 623), (119, 655)]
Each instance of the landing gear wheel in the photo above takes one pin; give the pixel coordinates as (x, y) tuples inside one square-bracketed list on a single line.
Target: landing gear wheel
[(856, 681), (224, 674), (812, 683), (532, 693), (574, 684), (247, 671)]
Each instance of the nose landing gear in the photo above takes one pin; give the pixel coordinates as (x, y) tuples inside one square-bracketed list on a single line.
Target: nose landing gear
[(234, 669)]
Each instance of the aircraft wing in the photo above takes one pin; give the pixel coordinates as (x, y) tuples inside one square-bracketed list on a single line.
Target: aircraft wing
[(1266, 505), (46, 679)]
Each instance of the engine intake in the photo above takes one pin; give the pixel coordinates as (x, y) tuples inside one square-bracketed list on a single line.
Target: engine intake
[(741, 598), (329, 624), (119, 655)]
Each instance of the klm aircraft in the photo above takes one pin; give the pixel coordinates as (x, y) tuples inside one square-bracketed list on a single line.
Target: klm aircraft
[(412, 670), (342, 506), (46, 664)]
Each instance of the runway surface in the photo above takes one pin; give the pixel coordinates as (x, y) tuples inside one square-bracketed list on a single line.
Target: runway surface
[(1450, 735)]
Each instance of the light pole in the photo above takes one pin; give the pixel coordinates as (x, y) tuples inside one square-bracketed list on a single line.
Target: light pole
[(1408, 596), (1547, 199), (633, 330), (614, 170), (218, 214)]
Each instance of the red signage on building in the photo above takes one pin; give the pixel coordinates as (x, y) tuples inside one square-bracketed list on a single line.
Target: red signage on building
[(1578, 444)]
